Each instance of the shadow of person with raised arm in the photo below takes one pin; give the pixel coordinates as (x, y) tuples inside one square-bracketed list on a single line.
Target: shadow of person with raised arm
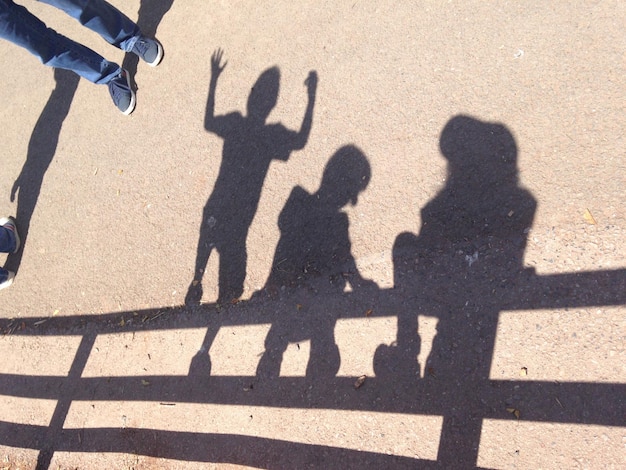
[(462, 267), (41, 150), (313, 260), (250, 145), (150, 14)]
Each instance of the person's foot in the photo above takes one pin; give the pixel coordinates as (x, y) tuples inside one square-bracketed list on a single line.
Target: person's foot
[(150, 50), (10, 275), (9, 223), (122, 93)]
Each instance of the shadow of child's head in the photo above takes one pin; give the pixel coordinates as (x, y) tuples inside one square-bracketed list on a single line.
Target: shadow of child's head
[(346, 175), (264, 95)]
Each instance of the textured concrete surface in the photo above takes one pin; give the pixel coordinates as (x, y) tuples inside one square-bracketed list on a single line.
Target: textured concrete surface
[(479, 282)]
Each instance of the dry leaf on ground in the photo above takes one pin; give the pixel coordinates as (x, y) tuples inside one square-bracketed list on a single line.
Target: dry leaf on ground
[(360, 381)]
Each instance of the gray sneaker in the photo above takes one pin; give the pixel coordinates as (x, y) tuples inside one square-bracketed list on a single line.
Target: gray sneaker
[(150, 50), (122, 93)]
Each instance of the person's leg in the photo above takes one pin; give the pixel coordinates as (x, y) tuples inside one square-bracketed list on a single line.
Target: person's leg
[(24, 29), (103, 18), (6, 278), (9, 243), (9, 238), (114, 27), (6, 244)]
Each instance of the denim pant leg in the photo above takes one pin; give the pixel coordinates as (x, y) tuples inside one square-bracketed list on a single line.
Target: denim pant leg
[(7, 245), (24, 29), (102, 18)]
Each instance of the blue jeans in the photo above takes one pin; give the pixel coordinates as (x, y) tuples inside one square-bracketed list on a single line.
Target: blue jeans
[(7, 245), (21, 27)]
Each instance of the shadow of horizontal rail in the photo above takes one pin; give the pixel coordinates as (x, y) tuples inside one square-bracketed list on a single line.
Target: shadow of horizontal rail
[(556, 402), (557, 291), (206, 447)]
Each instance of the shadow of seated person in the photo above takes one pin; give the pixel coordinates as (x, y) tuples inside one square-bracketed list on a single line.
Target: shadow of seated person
[(463, 268), (470, 246), (313, 265)]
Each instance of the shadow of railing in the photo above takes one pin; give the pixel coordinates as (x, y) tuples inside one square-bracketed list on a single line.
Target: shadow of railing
[(588, 403)]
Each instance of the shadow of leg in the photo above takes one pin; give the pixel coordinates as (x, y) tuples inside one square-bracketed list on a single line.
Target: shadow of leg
[(41, 150), (275, 346)]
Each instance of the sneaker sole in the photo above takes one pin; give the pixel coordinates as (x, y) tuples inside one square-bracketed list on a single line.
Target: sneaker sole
[(133, 99), (6, 220)]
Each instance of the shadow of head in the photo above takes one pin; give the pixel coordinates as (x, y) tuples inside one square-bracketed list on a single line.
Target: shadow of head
[(264, 95), (480, 148), (347, 173)]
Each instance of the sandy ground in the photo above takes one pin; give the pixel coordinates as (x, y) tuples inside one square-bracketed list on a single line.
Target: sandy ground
[(478, 282)]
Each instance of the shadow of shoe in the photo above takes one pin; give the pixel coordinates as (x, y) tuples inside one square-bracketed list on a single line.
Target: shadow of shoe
[(194, 294), (200, 365), (389, 362)]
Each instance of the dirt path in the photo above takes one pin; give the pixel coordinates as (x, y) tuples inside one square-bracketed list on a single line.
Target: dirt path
[(451, 226)]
